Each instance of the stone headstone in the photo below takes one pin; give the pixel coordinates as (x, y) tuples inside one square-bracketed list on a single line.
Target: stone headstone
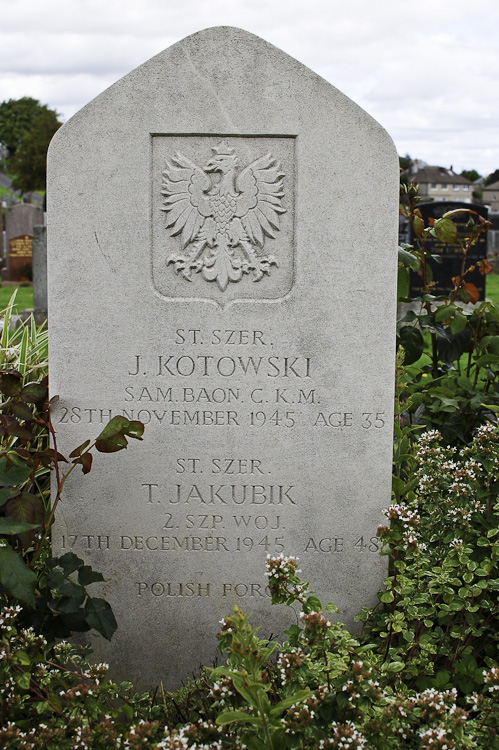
[(222, 263), (451, 256), (19, 222), (40, 272)]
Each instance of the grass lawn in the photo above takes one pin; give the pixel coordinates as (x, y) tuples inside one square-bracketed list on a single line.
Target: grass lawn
[(492, 286), (24, 297)]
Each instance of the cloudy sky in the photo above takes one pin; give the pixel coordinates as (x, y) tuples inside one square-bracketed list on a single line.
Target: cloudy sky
[(427, 70)]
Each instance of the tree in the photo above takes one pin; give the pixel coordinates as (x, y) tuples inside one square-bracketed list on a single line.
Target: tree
[(494, 177), (471, 174), (405, 162), (26, 129)]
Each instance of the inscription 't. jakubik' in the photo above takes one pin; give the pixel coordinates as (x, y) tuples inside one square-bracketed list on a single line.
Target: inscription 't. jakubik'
[(222, 225)]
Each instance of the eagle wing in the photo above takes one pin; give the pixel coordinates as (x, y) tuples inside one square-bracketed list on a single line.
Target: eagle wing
[(259, 203), (186, 202)]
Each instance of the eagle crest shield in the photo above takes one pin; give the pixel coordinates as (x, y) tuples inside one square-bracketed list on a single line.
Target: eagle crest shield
[(223, 215)]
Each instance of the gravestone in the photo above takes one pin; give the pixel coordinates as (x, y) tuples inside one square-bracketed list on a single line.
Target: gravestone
[(19, 222), (451, 256), (222, 262), (40, 273)]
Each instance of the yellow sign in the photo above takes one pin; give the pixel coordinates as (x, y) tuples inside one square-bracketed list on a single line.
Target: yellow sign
[(21, 247)]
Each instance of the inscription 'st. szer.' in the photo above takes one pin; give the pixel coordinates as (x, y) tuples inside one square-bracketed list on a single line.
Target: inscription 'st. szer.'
[(231, 217)]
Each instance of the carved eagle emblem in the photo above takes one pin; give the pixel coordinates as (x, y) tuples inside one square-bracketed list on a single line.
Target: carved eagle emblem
[(222, 214)]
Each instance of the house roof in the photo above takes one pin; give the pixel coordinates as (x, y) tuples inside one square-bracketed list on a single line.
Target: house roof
[(494, 186), (439, 174)]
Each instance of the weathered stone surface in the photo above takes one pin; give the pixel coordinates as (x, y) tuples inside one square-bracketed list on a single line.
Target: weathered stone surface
[(222, 258)]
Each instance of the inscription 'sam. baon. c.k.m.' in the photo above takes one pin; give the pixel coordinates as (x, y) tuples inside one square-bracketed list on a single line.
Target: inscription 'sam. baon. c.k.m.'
[(230, 218)]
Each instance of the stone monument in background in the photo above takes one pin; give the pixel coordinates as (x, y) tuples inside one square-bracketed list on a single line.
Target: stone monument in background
[(19, 222), (40, 273), (222, 267)]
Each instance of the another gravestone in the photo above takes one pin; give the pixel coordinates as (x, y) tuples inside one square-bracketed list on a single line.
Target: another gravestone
[(40, 273), (222, 263), (450, 256), (19, 222)]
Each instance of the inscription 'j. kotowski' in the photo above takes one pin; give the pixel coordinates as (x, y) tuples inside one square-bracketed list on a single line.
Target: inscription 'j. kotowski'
[(222, 226)]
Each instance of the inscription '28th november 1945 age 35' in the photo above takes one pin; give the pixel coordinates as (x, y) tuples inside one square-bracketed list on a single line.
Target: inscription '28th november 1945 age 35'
[(295, 401)]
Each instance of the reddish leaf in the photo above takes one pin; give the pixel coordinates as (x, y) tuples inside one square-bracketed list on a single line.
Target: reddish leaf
[(418, 226), (13, 427), (85, 461), (51, 454), (114, 435), (26, 508), (33, 392), (22, 411), (484, 267), (10, 384), (472, 292), (78, 451)]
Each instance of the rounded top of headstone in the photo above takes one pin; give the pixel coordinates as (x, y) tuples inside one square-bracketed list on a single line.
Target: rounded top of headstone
[(214, 68)]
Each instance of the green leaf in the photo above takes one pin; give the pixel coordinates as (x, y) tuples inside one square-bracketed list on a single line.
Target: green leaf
[(12, 526), (100, 616), (394, 666), (86, 575), (228, 717), (403, 283), (444, 312), (72, 601), (442, 679), (23, 350), (18, 579), (487, 359), (4, 496), (408, 259), (387, 597), (312, 604), (13, 475), (297, 697), (459, 323), (4, 343), (114, 435), (69, 562), (22, 658), (411, 339), (445, 230), (23, 680)]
